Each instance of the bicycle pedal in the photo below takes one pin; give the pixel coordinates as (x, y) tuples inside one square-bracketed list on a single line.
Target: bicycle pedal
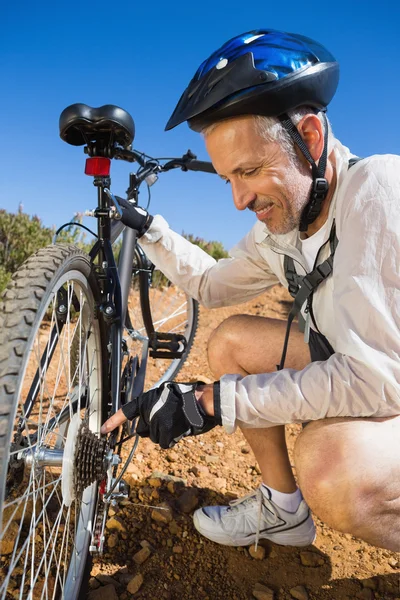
[(167, 345)]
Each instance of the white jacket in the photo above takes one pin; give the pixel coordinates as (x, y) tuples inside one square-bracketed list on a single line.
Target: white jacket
[(357, 308)]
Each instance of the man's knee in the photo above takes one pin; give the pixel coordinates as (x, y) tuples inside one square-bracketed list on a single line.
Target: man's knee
[(222, 343), (343, 475)]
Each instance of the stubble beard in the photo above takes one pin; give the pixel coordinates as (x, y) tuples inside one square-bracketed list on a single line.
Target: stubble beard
[(298, 186)]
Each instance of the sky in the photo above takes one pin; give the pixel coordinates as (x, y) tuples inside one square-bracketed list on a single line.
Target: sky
[(141, 57)]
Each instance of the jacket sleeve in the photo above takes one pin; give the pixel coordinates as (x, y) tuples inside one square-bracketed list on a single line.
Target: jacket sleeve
[(239, 278), (362, 378)]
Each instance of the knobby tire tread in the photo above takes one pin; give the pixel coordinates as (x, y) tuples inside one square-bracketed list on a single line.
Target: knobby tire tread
[(19, 305)]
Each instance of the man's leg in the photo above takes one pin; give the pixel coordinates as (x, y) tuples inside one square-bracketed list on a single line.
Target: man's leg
[(246, 344), (349, 473), (276, 510)]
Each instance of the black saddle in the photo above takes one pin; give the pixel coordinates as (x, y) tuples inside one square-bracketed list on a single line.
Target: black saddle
[(101, 127)]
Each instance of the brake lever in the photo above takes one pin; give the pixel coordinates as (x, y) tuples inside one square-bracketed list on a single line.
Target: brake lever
[(118, 210)]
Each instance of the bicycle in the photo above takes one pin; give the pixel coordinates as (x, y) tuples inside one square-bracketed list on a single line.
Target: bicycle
[(77, 334)]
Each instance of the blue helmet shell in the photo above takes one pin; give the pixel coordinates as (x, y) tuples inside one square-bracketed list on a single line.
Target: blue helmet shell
[(264, 72)]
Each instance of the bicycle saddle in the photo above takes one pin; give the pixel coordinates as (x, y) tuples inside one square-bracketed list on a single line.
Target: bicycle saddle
[(81, 124)]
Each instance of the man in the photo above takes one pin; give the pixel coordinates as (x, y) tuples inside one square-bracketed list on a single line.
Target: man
[(260, 103)]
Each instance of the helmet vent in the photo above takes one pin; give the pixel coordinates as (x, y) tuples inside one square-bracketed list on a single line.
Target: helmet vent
[(222, 63), (252, 38)]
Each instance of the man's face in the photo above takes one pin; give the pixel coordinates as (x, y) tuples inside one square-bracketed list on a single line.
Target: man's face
[(261, 174)]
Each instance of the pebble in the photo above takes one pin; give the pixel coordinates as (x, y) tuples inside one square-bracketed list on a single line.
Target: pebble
[(188, 501), (212, 458), (262, 592), (107, 579), (393, 563), (135, 584), (143, 554), (311, 559), (8, 540), (172, 456), (112, 540), (174, 527), (258, 554), (177, 549), (299, 592), (155, 482), (116, 523), (220, 483), (162, 514)]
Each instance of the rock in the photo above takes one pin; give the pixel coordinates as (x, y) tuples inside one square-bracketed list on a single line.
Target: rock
[(116, 523), (258, 554), (162, 514), (103, 593), (142, 555), (172, 456), (311, 559), (365, 594), (177, 549), (165, 477), (174, 527), (212, 458), (188, 500), (299, 592), (9, 537), (220, 483), (107, 579), (155, 482), (262, 592), (135, 584), (245, 450), (370, 583), (200, 470), (393, 563), (112, 540)]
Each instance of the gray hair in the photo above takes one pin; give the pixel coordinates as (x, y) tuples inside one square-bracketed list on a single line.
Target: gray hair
[(272, 130)]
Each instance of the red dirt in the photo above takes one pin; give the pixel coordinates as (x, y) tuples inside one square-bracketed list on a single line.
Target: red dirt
[(215, 468)]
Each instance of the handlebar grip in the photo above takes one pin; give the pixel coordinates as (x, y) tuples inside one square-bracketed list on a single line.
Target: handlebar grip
[(200, 165)]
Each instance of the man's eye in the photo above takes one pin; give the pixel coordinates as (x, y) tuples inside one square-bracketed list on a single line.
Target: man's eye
[(249, 173)]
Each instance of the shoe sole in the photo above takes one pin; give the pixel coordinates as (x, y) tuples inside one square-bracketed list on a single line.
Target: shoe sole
[(282, 538)]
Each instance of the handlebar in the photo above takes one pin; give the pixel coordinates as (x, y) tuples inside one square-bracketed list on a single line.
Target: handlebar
[(198, 165)]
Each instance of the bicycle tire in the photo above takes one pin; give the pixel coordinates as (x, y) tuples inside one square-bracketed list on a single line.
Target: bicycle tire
[(56, 571), (157, 296)]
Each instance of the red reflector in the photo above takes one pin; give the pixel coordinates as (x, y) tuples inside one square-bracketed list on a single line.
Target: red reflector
[(98, 166)]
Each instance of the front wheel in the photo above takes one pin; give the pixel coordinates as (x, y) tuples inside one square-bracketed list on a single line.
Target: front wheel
[(52, 402)]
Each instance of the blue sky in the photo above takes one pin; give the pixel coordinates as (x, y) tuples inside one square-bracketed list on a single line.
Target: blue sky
[(141, 56)]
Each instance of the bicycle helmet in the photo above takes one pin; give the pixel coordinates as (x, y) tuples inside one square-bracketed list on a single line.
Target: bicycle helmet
[(264, 72)]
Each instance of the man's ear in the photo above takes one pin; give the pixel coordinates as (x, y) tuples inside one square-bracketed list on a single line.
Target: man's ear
[(311, 130)]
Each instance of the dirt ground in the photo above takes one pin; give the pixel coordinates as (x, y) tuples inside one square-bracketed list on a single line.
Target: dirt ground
[(157, 554)]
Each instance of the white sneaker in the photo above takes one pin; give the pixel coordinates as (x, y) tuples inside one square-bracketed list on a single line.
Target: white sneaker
[(255, 517)]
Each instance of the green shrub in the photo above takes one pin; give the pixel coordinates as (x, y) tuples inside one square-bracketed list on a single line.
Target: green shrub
[(22, 235)]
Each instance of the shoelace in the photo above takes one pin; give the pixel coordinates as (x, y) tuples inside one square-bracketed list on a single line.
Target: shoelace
[(258, 496)]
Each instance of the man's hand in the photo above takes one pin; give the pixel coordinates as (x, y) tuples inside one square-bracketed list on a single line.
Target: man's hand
[(135, 217), (170, 412)]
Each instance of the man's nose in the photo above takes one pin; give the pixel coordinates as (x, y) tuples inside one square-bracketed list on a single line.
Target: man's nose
[(242, 195)]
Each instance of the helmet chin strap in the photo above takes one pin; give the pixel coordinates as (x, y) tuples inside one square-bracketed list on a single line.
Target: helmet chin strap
[(320, 185)]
